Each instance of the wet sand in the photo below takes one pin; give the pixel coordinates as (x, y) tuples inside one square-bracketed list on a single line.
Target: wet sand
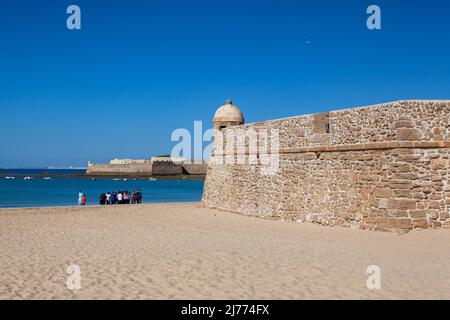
[(182, 251)]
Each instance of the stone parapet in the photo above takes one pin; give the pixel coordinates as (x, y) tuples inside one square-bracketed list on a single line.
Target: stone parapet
[(382, 167)]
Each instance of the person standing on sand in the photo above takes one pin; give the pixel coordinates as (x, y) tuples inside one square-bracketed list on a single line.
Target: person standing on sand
[(108, 198), (139, 196), (102, 199), (80, 197), (126, 197), (83, 200), (119, 197)]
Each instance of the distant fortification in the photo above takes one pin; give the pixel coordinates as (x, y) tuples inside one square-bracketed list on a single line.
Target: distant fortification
[(157, 166), (383, 167)]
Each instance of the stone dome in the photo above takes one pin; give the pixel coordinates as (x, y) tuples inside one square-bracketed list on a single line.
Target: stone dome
[(228, 115)]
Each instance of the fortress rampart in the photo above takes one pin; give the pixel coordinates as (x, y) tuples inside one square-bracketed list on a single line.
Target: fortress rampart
[(119, 169), (383, 167), (146, 169)]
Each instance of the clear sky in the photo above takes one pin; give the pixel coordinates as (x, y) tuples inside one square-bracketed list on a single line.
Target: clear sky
[(137, 70)]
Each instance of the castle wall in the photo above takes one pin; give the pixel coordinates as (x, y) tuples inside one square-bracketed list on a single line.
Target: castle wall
[(155, 168), (195, 168), (166, 168), (383, 167), (144, 169)]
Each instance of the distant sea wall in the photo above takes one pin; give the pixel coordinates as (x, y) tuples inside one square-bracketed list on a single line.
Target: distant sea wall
[(148, 169), (194, 168), (382, 167), (166, 168), (144, 169)]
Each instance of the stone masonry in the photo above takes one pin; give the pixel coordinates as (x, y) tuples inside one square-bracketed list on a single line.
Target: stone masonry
[(146, 169), (383, 167)]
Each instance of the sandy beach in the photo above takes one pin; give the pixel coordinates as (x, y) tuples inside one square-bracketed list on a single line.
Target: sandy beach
[(182, 251)]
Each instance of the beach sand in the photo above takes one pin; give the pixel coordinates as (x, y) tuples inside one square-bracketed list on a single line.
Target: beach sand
[(182, 251)]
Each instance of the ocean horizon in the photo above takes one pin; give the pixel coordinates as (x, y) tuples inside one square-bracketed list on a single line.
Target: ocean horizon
[(59, 187)]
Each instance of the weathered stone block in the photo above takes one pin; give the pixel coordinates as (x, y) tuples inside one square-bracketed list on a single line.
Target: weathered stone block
[(395, 223), (402, 193), (439, 164), (401, 204), (420, 223), (383, 192), (408, 134), (418, 214), (404, 124)]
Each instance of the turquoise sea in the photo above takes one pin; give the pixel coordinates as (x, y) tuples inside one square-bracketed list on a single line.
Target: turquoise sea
[(62, 188)]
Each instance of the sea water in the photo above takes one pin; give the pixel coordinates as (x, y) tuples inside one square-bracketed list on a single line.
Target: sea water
[(58, 188)]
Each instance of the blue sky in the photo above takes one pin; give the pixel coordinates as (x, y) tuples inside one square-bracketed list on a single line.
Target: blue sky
[(137, 70)]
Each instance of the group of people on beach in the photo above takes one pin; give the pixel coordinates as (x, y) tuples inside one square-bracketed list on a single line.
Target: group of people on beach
[(115, 197), (121, 197)]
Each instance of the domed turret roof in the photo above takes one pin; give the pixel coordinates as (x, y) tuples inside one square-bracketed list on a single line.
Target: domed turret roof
[(228, 113)]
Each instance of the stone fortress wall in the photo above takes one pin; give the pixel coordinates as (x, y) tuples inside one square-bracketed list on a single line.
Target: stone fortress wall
[(119, 169), (383, 167), (146, 169)]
